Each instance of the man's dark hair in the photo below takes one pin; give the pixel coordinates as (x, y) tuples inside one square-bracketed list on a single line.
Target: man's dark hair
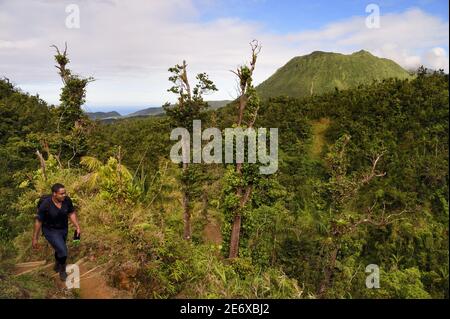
[(56, 187)]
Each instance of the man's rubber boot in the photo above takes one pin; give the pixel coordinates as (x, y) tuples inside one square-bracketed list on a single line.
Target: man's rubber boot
[(57, 266), (63, 273)]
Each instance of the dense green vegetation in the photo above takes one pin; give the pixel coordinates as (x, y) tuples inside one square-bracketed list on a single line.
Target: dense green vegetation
[(24, 119), (399, 220), (363, 179)]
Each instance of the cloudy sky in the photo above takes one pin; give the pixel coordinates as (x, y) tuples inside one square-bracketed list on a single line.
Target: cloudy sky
[(127, 46)]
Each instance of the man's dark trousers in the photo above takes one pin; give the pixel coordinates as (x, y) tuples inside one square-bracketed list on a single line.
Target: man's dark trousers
[(57, 238)]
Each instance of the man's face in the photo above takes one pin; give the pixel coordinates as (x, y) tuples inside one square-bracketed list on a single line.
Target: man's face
[(60, 194)]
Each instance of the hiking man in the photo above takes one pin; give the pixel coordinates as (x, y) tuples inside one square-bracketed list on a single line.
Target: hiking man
[(53, 214)]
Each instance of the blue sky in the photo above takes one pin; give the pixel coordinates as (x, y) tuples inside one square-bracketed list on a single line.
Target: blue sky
[(127, 46), (283, 16)]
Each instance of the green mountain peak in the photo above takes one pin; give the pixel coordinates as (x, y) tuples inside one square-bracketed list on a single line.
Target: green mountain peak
[(321, 72)]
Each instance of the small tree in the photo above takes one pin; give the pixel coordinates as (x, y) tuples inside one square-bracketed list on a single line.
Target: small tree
[(240, 181), (73, 94), (71, 118), (189, 107)]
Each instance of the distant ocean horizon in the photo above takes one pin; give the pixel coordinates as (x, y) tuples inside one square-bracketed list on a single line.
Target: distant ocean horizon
[(122, 110)]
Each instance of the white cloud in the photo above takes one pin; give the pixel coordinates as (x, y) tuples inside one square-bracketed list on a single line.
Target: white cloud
[(437, 58), (26, 44), (129, 45)]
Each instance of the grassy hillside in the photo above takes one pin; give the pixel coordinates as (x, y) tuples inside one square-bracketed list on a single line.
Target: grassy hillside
[(322, 72)]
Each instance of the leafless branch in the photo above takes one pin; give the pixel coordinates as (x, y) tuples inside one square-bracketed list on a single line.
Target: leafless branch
[(373, 172)]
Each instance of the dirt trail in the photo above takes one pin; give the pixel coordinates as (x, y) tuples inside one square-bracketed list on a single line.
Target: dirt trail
[(318, 142), (25, 268), (93, 283), (211, 232)]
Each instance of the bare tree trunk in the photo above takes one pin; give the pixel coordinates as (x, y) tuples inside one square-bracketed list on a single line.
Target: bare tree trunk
[(45, 147), (187, 218), (205, 205), (119, 159), (328, 274), (236, 229), (242, 105), (235, 234), (186, 211), (59, 161), (42, 161), (185, 80)]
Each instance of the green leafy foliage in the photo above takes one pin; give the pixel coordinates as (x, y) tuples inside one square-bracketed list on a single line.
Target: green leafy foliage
[(363, 179)]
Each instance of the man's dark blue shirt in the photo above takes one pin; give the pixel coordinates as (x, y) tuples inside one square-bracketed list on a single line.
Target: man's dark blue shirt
[(53, 217)]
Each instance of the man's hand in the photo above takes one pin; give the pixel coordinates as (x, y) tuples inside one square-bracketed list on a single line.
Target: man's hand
[(74, 221), (35, 243), (37, 229)]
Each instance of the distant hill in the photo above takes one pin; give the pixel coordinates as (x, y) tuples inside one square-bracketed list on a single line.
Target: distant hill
[(147, 112), (321, 72), (150, 111), (213, 105), (159, 110), (103, 115)]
